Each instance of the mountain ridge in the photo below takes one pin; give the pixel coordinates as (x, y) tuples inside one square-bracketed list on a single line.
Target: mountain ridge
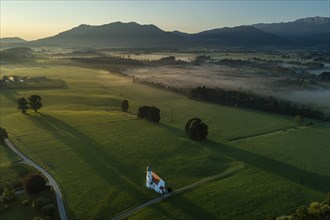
[(303, 26), (304, 31), (115, 34)]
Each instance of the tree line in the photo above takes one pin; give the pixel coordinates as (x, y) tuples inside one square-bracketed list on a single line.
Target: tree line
[(297, 72), (241, 99), (249, 100)]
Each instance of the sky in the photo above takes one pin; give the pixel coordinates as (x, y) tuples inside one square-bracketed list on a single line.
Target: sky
[(38, 19)]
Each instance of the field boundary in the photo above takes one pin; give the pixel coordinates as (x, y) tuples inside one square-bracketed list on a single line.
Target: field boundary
[(131, 211), (231, 140)]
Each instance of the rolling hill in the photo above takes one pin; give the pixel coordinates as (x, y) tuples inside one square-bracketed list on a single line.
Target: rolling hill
[(17, 54), (7, 42)]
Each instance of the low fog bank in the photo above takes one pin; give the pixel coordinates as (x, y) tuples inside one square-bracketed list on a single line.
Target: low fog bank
[(232, 78)]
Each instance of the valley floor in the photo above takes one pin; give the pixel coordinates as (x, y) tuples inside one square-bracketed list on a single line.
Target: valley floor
[(98, 154)]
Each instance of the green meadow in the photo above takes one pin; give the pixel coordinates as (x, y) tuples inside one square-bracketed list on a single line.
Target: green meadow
[(7, 156), (249, 194), (295, 146), (98, 154)]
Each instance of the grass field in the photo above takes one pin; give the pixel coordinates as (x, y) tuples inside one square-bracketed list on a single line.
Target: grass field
[(99, 154), (291, 147), (14, 174), (235, 197), (7, 156)]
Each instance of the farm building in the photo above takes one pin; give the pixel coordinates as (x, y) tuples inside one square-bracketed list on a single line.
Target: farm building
[(13, 78), (153, 181)]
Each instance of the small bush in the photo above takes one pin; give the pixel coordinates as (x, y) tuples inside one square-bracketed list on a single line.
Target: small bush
[(48, 210), (315, 210), (40, 202), (8, 193), (299, 120), (25, 202)]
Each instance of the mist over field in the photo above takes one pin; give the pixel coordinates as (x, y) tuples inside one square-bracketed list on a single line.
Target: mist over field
[(233, 78)]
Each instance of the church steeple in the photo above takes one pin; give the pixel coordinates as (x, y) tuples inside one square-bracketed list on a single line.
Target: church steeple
[(153, 181)]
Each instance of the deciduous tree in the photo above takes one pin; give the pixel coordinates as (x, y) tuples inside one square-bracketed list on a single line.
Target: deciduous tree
[(3, 135), (34, 183), (124, 106), (150, 113), (196, 129), (35, 102), (23, 105), (299, 119)]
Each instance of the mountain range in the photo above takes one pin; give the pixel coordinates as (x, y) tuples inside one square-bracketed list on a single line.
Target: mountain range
[(313, 31)]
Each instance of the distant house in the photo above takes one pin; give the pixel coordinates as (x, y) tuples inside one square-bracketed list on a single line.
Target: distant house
[(153, 181), (13, 78)]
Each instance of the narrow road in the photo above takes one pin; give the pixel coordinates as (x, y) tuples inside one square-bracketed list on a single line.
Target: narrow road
[(50, 178), (130, 212)]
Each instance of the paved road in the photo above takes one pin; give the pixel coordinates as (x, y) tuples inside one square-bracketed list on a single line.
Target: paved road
[(130, 212), (50, 178)]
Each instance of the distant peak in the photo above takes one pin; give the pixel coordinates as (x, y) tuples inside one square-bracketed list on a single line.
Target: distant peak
[(84, 25), (120, 23), (314, 20), (132, 22)]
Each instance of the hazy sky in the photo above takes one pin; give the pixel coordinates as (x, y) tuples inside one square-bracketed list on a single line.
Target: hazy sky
[(37, 19)]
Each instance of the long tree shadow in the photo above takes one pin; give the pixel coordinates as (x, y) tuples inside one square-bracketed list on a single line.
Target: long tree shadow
[(189, 208), (194, 211), (301, 176), (175, 130), (104, 165)]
